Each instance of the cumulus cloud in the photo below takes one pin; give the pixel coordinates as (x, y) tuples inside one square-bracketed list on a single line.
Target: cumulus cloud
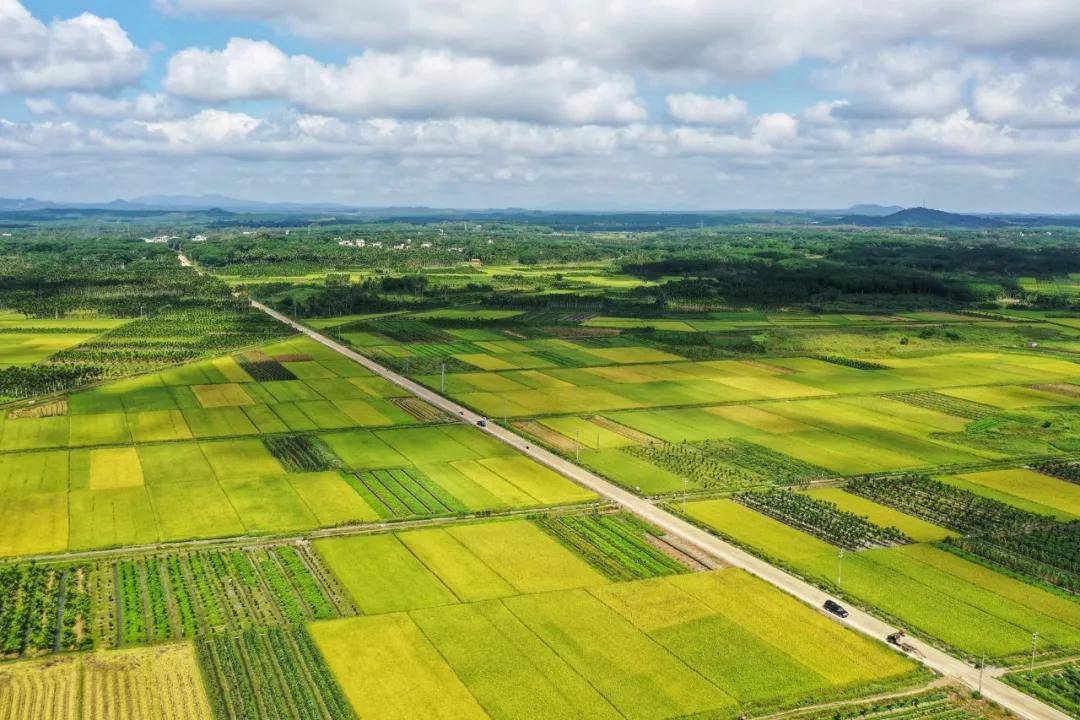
[(144, 106), (725, 37), (420, 84), (85, 52), (909, 81), (1040, 94), (956, 134), (694, 108), (540, 100), (776, 128)]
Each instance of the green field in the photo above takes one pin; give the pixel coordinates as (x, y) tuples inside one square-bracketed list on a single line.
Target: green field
[(650, 649), (847, 410), (179, 455), (966, 605), (1027, 490), (206, 516)]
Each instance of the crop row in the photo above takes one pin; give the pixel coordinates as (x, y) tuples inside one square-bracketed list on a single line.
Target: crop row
[(272, 673), (945, 404), (301, 453), (262, 367), (412, 365), (947, 505), (773, 466), (1051, 554), (419, 409), (855, 363), (944, 704), (616, 545), (446, 349), (43, 609), (404, 492), (405, 330), (1064, 470), (1021, 541), (174, 335), (697, 463), (822, 519), (1058, 685), (185, 595)]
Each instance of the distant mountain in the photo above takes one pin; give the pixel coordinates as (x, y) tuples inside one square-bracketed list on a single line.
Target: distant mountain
[(225, 211), (14, 204), (174, 203), (209, 202), (873, 210), (925, 218)]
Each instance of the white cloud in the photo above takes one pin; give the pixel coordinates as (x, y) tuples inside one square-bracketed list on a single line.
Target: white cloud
[(85, 52), (205, 130), (908, 81), (144, 106), (724, 37), (422, 84), (776, 128), (535, 101), (957, 134), (707, 109), (822, 113), (42, 106), (1042, 94)]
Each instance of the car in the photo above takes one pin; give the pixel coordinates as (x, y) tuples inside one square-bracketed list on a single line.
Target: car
[(836, 608), (482, 422)]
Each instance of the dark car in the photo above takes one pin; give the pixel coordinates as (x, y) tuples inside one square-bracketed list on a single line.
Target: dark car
[(836, 608), (482, 422)]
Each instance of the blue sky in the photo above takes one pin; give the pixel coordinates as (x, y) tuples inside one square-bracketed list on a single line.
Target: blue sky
[(708, 104)]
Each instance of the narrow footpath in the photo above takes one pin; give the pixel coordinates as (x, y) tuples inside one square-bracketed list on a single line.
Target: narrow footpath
[(932, 657)]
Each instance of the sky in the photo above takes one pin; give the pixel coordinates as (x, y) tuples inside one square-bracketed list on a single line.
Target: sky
[(964, 105)]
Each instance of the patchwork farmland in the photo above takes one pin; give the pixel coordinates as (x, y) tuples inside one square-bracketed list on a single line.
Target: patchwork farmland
[(257, 527)]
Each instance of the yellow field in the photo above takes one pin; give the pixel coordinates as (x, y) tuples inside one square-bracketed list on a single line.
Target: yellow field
[(40, 690), (34, 523), (230, 369), (758, 419), (773, 387), (157, 683), (367, 654), (222, 395), (115, 468)]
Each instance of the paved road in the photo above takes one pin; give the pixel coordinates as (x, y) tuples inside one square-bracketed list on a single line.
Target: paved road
[(934, 658)]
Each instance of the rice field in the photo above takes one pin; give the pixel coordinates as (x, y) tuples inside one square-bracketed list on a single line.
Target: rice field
[(963, 604), (156, 683), (1026, 489), (208, 450), (647, 649), (552, 614), (848, 416)]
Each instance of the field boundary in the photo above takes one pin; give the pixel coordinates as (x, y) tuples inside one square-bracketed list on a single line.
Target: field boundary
[(933, 657)]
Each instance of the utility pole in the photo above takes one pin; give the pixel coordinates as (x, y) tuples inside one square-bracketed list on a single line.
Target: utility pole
[(840, 567), (685, 486), (442, 380), (982, 664), (577, 446)]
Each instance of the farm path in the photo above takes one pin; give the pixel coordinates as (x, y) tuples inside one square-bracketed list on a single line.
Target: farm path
[(942, 662)]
